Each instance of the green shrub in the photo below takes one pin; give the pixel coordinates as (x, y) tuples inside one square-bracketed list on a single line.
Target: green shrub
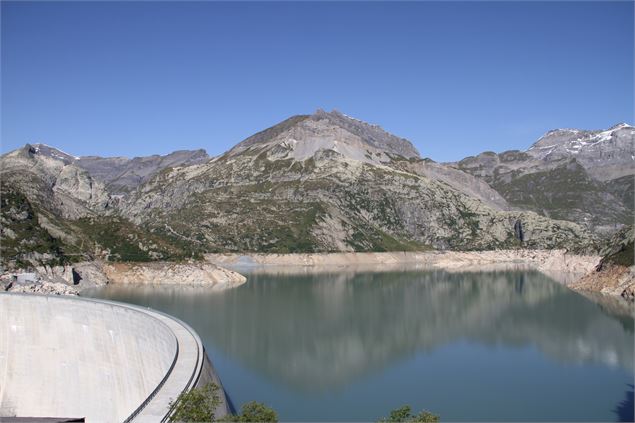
[(196, 405), (403, 415), (200, 404), (254, 412)]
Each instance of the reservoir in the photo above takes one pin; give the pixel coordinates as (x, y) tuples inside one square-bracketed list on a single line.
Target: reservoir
[(509, 345)]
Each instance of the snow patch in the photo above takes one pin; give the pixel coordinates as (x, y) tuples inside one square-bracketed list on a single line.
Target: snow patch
[(54, 150)]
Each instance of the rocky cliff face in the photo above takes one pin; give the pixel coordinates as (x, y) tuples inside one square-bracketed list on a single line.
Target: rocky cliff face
[(313, 183)]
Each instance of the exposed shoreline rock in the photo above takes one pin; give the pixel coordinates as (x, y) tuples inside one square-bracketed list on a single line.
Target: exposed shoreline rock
[(567, 268), (44, 287), (72, 279), (169, 273), (613, 280), (615, 272), (543, 260), (578, 272)]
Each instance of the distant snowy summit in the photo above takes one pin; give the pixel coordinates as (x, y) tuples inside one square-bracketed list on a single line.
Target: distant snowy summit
[(607, 154)]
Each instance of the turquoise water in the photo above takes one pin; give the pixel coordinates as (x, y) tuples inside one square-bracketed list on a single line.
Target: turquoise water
[(347, 346)]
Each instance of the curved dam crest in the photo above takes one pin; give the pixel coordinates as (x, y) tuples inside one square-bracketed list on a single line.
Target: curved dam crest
[(105, 361)]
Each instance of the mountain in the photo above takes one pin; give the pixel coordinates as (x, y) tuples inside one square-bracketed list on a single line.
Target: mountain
[(300, 137), (320, 182), (570, 174), (327, 182)]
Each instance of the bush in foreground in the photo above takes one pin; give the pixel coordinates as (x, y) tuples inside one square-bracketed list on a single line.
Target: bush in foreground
[(199, 405), (404, 415), (254, 412), (196, 405)]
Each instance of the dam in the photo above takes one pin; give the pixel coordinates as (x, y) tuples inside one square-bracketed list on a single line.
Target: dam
[(95, 359)]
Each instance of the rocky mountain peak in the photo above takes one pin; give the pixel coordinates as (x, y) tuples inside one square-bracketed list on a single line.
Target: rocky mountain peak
[(606, 154), (301, 137), (371, 133), (621, 125), (574, 139)]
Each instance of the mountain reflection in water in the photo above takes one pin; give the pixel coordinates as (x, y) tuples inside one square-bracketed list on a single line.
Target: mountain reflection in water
[(328, 346), (320, 331)]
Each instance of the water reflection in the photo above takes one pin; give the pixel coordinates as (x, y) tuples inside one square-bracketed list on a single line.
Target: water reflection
[(323, 331)]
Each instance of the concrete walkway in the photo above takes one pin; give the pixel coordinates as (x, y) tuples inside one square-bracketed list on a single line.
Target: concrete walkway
[(183, 376)]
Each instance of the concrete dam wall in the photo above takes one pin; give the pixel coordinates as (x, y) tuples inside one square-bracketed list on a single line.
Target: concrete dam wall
[(71, 357)]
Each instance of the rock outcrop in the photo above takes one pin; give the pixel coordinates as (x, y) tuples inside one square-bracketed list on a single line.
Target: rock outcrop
[(53, 182)]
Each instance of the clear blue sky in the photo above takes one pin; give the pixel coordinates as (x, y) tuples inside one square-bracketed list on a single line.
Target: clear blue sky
[(123, 78)]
